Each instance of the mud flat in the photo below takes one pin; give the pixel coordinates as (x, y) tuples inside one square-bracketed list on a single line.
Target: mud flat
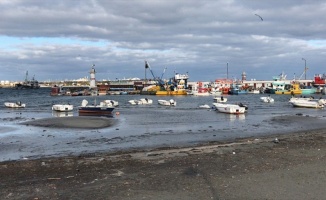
[(291, 167), (73, 122)]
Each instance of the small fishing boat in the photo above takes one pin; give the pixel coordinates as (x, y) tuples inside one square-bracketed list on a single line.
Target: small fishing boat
[(101, 109), (220, 99), (307, 102), (170, 102), (229, 108), (143, 101), (17, 104), (62, 107), (267, 99), (110, 102)]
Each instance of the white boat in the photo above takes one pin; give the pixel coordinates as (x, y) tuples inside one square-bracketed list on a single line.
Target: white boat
[(220, 99), (170, 102), (17, 104), (267, 99), (143, 101), (196, 93), (62, 107), (307, 102), (229, 108), (110, 102)]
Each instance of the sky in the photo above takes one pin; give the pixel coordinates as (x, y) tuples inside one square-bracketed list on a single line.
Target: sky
[(208, 39)]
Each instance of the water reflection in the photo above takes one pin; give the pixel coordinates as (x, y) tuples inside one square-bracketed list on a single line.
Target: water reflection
[(240, 117), (62, 114)]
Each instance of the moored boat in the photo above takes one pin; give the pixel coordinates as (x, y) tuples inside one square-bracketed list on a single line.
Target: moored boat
[(307, 102), (170, 102), (142, 101), (229, 108), (62, 107), (267, 99), (110, 102), (17, 104), (101, 109), (290, 89)]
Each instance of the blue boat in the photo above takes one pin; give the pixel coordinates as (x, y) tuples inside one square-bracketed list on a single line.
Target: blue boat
[(236, 88)]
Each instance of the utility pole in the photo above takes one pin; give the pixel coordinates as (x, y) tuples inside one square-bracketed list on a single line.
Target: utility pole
[(227, 70)]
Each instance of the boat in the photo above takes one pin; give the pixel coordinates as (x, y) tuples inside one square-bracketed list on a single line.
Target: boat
[(170, 102), (307, 102), (98, 110), (319, 80), (237, 88), (62, 107), (267, 99), (142, 101), (17, 104), (229, 108), (110, 102), (292, 89), (279, 83), (220, 99), (307, 90), (28, 84)]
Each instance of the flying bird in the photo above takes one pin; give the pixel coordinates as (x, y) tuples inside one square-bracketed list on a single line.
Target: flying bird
[(259, 17)]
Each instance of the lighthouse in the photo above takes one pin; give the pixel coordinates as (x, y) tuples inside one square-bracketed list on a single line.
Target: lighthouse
[(92, 83), (244, 76)]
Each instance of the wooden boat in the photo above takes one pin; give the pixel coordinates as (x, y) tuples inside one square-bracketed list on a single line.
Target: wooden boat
[(98, 110), (267, 99), (229, 108), (170, 102), (17, 104), (62, 107), (307, 102)]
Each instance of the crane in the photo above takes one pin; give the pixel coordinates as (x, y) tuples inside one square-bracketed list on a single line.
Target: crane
[(158, 79)]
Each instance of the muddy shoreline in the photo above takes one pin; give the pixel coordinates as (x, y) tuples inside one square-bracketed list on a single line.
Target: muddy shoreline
[(292, 167)]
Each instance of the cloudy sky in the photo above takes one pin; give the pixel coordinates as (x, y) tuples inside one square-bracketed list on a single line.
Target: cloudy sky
[(62, 39)]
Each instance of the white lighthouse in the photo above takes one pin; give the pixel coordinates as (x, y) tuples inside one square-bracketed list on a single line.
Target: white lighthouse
[(92, 82)]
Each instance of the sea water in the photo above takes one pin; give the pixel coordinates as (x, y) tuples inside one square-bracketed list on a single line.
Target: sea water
[(139, 126)]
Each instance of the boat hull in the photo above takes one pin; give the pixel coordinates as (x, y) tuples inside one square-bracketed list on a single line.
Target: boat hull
[(95, 111), (304, 103), (229, 108), (14, 105), (177, 92), (62, 108)]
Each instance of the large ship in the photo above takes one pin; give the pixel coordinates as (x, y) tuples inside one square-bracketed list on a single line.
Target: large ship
[(28, 84), (176, 85)]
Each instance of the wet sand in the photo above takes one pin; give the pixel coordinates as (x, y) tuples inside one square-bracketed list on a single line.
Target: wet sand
[(83, 122), (292, 167)]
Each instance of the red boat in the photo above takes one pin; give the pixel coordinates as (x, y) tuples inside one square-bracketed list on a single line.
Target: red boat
[(319, 80)]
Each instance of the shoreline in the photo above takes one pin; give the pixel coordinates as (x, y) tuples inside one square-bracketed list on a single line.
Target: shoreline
[(292, 167)]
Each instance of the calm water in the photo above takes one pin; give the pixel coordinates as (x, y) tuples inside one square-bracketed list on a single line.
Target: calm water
[(138, 126)]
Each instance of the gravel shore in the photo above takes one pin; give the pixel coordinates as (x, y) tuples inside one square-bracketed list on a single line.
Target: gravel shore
[(291, 167)]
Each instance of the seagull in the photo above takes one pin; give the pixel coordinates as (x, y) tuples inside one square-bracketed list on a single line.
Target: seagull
[(259, 17)]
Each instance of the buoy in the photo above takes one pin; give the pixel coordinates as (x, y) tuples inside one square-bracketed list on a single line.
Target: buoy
[(117, 113)]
